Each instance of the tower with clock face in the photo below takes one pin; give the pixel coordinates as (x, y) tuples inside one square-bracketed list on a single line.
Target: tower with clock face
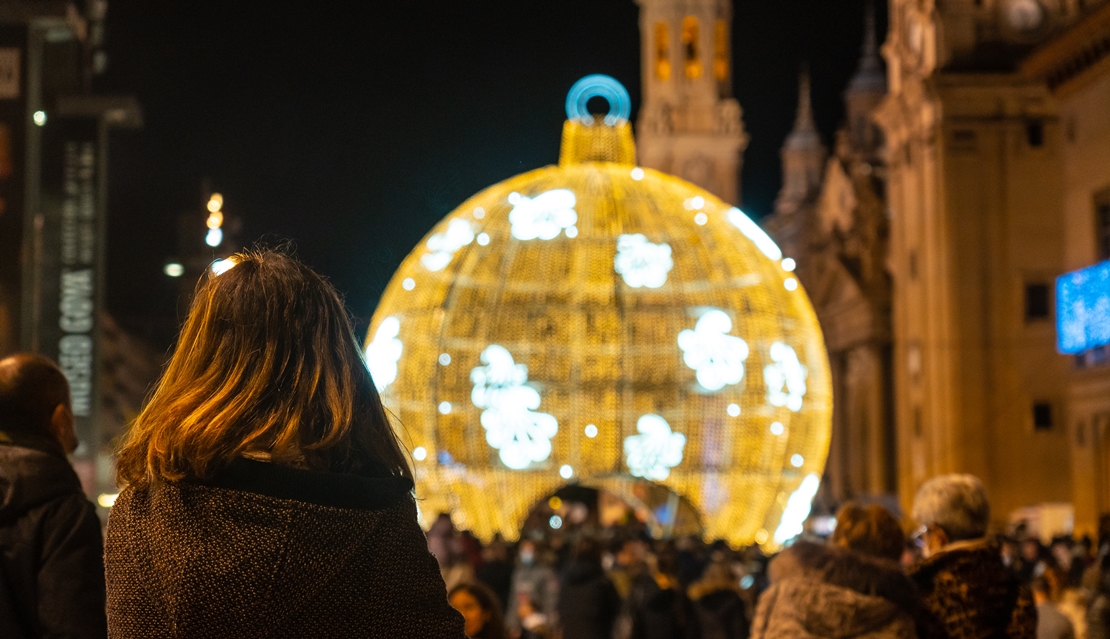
[(974, 182)]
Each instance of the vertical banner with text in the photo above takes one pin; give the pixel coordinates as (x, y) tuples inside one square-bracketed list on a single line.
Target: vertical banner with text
[(70, 267)]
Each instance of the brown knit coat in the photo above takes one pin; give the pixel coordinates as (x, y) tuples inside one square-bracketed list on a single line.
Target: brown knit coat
[(270, 551)]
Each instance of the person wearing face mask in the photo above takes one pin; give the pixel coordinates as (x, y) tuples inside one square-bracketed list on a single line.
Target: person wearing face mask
[(966, 590), (534, 594)]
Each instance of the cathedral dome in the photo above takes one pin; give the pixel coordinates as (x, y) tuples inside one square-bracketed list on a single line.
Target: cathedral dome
[(606, 324)]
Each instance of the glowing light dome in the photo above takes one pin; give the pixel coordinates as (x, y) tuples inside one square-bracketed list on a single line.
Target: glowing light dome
[(580, 323)]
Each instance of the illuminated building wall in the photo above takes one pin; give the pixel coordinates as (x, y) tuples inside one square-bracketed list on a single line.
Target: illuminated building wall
[(977, 143), (604, 323)]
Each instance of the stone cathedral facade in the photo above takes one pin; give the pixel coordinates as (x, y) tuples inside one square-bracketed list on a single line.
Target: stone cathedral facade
[(830, 216), (968, 175)]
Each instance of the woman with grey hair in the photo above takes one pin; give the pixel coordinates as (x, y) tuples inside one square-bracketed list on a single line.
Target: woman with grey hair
[(965, 589)]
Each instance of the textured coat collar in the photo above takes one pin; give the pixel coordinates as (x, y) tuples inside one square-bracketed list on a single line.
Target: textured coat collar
[(331, 490)]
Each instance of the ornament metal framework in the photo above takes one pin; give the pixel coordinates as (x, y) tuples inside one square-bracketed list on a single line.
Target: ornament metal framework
[(609, 323)]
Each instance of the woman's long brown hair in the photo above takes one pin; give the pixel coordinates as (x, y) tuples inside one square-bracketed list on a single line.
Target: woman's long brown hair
[(266, 362)]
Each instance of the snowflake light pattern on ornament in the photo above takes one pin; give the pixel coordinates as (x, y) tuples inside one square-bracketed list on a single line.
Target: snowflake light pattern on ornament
[(544, 216), (655, 451), (785, 378), (641, 263), (513, 427), (442, 246), (383, 353), (716, 357)]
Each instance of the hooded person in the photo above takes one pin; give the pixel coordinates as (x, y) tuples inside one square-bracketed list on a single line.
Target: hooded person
[(966, 590), (717, 608), (51, 571), (265, 492), (853, 587)]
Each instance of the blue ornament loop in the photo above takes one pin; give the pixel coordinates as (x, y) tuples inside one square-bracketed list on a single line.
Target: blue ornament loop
[(603, 86)]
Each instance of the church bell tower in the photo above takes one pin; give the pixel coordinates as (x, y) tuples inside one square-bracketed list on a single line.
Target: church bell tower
[(690, 125)]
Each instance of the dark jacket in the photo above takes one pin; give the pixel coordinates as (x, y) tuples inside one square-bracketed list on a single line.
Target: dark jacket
[(656, 613), (271, 551), (822, 591), (717, 615), (51, 571), (588, 602), (967, 593)]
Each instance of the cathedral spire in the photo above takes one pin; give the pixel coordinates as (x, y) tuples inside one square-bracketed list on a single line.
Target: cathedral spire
[(804, 134), (869, 76), (803, 155)]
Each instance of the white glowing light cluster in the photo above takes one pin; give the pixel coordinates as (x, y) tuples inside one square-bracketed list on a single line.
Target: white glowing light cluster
[(442, 246), (716, 357), (544, 216), (655, 451), (513, 427), (383, 353), (797, 510), (785, 378), (641, 263)]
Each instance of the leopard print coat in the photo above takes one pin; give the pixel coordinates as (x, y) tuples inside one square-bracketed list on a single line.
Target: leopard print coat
[(967, 593)]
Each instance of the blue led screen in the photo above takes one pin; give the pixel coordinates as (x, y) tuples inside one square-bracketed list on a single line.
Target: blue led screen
[(1083, 309)]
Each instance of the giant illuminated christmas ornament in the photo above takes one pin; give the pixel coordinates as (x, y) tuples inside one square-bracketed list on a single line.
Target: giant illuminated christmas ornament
[(603, 323)]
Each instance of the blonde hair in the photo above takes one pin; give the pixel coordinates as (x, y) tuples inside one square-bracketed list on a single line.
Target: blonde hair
[(267, 363)]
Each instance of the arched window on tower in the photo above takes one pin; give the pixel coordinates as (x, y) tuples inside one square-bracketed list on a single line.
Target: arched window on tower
[(721, 58), (690, 45), (662, 52)]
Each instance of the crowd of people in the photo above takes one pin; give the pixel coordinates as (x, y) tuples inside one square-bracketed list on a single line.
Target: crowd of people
[(264, 494), (949, 579)]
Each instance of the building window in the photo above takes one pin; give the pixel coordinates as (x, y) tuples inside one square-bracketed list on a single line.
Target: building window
[(1037, 302), (721, 62), (1042, 416), (1102, 223), (690, 45), (662, 51), (1034, 134)]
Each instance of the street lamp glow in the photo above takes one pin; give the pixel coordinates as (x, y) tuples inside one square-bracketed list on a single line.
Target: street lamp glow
[(215, 220), (591, 431), (107, 500), (420, 453), (215, 203), (214, 237), (173, 269), (39, 117), (788, 264), (566, 472)]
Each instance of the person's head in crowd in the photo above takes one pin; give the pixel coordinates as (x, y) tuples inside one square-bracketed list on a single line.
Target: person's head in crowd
[(950, 508), (1031, 550), (526, 552), (34, 400), (869, 530), (479, 608), (266, 366)]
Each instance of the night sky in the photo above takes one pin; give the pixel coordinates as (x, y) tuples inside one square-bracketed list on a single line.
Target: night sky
[(352, 128)]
